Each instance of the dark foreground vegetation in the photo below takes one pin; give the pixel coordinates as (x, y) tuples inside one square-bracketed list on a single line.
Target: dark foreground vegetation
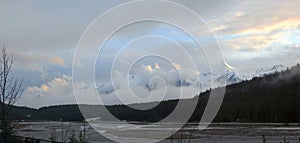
[(271, 98)]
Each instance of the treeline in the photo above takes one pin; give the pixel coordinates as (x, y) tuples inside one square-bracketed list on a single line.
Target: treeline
[(271, 98), (51, 113)]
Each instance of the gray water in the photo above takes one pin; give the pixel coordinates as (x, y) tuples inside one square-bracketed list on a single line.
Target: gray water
[(215, 133)]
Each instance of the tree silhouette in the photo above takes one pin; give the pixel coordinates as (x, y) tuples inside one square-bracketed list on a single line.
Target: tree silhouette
[(10, 92)]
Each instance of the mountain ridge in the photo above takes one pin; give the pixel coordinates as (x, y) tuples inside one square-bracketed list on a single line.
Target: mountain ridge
[(271, 98)]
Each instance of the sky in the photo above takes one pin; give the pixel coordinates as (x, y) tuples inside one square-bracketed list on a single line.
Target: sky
[(43, 36)]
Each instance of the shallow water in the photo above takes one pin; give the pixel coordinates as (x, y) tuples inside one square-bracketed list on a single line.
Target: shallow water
[(215, 133)]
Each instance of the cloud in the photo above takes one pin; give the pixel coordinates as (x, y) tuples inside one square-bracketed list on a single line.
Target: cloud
[(56, 91), (239, 14), (256, 42), (151, 68), (148, 68), (55, 86), (177, 66), (260, 36), (273, 26), (157, 66), (259, 31), (36, 61), (43, 38), (58, 61), (44, 88), (150, 77)]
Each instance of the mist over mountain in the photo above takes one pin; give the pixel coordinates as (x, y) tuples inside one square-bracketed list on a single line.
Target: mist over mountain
[(273, 97)]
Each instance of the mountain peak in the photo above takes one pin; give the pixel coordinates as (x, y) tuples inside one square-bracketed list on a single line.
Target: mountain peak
[(278, 68)]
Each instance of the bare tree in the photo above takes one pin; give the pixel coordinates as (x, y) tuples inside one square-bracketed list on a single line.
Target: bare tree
[(10, 91)]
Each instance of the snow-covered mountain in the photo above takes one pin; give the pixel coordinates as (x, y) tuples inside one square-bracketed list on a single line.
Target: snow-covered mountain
[(263, 71), (231, 75), (226, 76), (223, 74)]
